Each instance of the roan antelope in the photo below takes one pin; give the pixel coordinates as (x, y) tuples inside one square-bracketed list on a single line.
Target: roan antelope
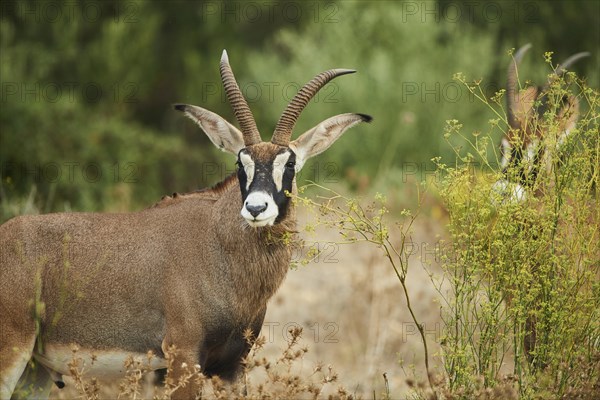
[(192, 271), (525, 145), (524, 138)]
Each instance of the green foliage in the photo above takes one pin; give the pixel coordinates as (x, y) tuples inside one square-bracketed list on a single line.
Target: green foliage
[(87, 89), (143, 56), (524, 275), (408, 96)]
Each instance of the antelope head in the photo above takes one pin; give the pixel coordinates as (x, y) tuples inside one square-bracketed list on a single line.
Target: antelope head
[(266, 170), (525, 109)]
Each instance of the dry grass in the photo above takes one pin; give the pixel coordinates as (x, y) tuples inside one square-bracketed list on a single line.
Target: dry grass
[(285, 376)]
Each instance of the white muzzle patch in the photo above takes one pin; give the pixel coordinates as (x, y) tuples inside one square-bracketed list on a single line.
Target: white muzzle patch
[(260, 209)]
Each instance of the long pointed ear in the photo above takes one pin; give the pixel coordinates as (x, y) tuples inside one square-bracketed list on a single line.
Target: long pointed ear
[(318, 139), (224, 135)]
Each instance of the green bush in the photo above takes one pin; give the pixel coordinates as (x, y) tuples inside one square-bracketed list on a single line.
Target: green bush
[(524, 276)]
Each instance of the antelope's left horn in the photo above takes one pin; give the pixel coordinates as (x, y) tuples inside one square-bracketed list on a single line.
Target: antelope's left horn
[(287, 121)]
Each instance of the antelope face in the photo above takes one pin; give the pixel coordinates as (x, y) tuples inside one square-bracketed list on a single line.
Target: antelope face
[(266, 174), (522, 159), (266, 170)]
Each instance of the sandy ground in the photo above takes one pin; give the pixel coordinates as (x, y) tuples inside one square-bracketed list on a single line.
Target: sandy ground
[(352, 309)]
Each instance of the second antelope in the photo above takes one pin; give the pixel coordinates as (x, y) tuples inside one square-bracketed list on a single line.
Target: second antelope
[(522, 148), (194, 271), (526, 144)]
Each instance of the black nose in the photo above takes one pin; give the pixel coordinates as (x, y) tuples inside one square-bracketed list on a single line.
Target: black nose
[(255, 210)]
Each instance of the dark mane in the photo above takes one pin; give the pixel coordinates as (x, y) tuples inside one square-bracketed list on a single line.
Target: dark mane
[(208, 193)]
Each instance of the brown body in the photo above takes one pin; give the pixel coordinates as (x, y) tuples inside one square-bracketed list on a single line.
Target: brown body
[(142, 282), (192, 271)]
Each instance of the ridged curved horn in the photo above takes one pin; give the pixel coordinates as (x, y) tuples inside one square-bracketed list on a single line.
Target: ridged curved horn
[(558, 72), (238, 103), (287, 121), (511, 86), (561, 68)]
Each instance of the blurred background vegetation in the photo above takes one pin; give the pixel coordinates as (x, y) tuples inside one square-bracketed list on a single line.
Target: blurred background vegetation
[(86, 121)]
